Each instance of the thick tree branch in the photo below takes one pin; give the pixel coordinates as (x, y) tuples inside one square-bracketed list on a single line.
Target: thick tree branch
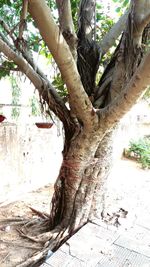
[(23, 18), (45, 90), (66, 25), (86, 13), (78, 99), (141, 15), (127, 56), (88, 50), (110, 38), (134, 89), (65, 16)]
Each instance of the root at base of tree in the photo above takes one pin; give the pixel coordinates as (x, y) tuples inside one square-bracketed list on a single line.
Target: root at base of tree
[(40, 240)]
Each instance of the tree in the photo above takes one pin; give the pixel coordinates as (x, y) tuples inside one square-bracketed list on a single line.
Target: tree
[(95, 108)]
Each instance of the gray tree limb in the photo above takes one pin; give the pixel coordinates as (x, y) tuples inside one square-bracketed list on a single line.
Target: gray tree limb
[(85, 17), (137, 85), (110, 38), (141, 15), (66, 25)]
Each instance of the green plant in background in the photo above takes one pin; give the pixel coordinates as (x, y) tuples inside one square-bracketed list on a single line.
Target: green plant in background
[(141, 151), (147, 94), (35, 106), (121, 5), (5, 68), (59, 84), (16, 93)]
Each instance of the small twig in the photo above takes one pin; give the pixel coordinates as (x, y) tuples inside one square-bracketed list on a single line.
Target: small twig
[(43, 215), (5, 258), (7, 29), (9, 220)]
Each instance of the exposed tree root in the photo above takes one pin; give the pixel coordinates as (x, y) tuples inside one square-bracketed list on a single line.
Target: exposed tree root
[(27, 236), (31, 223), (13, 220), (51, 236), (21, 245), (43, 215), (34, 259), (40, 239), (51, 241)]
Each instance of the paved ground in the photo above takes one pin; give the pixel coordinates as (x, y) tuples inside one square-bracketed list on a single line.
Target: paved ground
[(99, 246)]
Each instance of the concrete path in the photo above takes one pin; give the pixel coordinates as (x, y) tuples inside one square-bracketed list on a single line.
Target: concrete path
[(96, 245)]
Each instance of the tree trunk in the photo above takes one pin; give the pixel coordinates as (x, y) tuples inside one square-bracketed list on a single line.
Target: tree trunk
[(106, 156), (80, 187), (75, 184)]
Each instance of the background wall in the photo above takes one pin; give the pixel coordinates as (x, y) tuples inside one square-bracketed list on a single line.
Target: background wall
[(29, 157)]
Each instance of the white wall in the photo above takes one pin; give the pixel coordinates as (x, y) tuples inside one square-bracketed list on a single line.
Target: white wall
[(29, 157)]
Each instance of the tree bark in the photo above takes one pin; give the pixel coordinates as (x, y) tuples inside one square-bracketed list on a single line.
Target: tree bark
[(74, 188), (106, 156), (79, 192), (88, 50), (110, 38), (67, 26)]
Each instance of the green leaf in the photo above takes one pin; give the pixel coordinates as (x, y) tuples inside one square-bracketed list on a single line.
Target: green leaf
[(118, 9), (36, 47), (125, 3)]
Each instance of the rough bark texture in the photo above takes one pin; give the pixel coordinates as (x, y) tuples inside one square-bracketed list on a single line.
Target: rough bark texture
[(81, 184), (88, 49), (110, 38), (105, 159), (75, 185), (67, 26)]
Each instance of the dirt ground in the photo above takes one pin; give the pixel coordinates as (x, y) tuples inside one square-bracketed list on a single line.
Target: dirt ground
[(13, 248), (128, 188)]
